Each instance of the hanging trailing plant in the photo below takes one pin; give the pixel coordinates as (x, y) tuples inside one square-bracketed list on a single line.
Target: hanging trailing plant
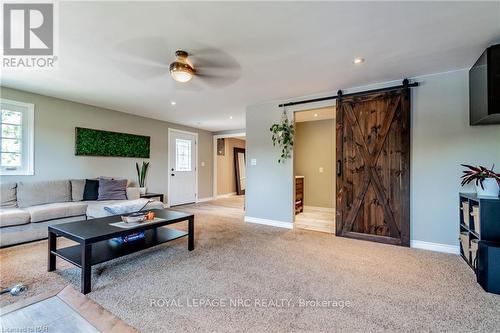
[(283, 136)]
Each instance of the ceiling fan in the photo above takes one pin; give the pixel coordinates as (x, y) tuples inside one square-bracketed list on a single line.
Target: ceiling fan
[(144, 58)]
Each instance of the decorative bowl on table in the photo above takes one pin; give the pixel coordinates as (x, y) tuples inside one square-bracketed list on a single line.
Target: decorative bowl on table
[(134, 217)]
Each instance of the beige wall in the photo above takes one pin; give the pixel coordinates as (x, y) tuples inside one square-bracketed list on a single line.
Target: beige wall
[(55, 122), (314, 149), (226, 177)]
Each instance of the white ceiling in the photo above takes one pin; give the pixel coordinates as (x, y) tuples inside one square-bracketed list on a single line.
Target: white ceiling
[(116, 54)]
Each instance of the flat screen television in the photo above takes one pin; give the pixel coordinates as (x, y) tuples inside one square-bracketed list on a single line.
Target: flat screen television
[(484, 88)]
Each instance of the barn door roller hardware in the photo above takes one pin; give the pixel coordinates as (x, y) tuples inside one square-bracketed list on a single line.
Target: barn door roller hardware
[(406, 84)]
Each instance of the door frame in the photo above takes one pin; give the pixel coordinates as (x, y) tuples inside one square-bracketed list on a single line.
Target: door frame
[(169, 162), (307, 107), (214, 159)]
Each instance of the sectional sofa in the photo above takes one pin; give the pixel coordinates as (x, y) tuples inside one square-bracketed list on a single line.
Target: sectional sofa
[(26, 209)]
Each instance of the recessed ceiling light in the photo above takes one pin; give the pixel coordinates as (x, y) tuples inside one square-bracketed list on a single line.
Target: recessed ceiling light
[(230, 117), (173, 103), (315, 114), (358, 61)]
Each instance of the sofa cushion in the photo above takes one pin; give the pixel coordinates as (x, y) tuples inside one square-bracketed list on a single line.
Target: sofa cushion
[(91, 189), (13, 216), (112, 189), (77, 187), (56, 211), (8, 197), (39, 193)]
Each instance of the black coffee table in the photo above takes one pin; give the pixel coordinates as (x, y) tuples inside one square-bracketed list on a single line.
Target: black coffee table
[(95, 246)]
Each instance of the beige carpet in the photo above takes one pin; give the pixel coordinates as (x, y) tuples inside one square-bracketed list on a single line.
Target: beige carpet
[(386, 288)]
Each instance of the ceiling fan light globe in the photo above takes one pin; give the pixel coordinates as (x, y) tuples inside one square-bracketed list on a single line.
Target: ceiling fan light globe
[(181, 76), (181, 72)]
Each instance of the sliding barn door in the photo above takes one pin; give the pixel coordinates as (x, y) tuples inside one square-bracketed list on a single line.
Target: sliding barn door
[(373, 167)]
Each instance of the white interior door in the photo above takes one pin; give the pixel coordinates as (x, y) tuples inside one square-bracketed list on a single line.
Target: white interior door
[(182, 168)]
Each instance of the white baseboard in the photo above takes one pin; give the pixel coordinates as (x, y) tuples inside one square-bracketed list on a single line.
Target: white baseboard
[(418, 244), (205, 199), (226, 195), (273, 223)]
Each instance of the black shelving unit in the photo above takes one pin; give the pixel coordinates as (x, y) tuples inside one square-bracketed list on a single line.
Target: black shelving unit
[(489, 223)]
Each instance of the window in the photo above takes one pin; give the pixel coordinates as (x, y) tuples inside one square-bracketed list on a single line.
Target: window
[(182, 155), (16, 138)]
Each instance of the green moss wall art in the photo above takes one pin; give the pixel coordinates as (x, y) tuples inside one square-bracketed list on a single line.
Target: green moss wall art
[(91, 142)]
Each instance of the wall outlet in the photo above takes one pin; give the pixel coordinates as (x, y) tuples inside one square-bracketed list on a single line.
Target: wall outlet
[(253, 161)]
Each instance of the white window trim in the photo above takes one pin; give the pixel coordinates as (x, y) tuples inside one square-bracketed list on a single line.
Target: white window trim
[(28, 151)]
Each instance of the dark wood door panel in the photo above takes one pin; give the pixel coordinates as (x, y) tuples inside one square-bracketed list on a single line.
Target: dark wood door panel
[(373, 183)]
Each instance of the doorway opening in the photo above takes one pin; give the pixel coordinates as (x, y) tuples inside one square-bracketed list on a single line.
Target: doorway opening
[(230, 169), (314, 169)]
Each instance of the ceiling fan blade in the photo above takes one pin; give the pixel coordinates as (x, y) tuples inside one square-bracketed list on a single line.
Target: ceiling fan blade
[(215, 67), (142, 58), (139, 70), (213, 58), (219, 80), (149, 49)]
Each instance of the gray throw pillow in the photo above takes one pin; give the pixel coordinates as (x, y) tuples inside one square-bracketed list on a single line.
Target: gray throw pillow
[(112, 189), (40, 193), (77, 187), (8, 196)]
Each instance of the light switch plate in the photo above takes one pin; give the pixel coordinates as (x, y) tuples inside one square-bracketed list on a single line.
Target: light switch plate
[(253, 161), (202, 164), (321, 170)]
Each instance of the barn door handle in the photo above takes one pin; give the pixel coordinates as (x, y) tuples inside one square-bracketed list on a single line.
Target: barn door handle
[(339, 168)]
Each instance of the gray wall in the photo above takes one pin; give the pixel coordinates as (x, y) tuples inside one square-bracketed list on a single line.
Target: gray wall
[(269, 187), (55, 122), (441, 140)]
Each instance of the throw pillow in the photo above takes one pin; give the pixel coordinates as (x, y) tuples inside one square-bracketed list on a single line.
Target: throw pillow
[(41, 193), (133, 193), (8, 195), (91, 190), (112, 189), (77, 188)]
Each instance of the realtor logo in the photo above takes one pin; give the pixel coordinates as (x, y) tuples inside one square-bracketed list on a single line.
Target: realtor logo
[(30, 33), (28, 29)]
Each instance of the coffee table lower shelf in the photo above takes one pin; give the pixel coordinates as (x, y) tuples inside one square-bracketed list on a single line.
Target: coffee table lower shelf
[(108, 249)]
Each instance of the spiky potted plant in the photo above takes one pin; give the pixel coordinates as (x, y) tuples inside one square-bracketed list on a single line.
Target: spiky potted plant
[(486, 180), (141, 176)]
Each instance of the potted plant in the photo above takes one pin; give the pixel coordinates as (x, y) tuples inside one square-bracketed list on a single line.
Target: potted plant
[(283, 137), (141, 176), (486, 180)]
